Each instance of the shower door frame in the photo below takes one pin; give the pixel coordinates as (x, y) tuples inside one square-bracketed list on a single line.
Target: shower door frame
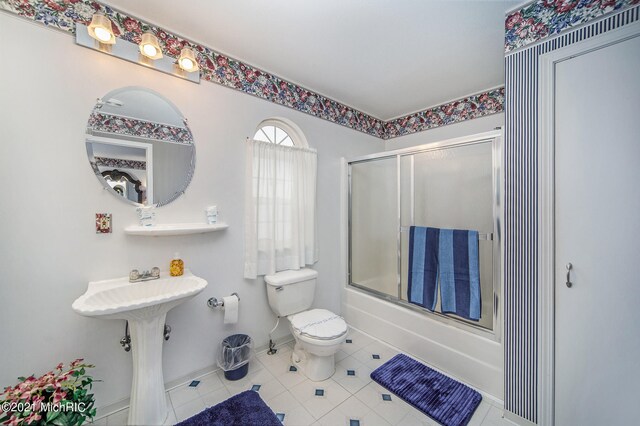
[(495, 137)]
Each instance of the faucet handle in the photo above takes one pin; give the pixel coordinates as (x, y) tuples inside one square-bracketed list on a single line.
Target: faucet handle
[(155, 272), (134, 274)]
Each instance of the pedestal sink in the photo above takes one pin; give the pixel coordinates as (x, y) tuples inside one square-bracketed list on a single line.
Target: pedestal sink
[(145, 306)]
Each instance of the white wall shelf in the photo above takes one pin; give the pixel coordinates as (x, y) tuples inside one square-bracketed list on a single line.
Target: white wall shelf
[(174, 229)]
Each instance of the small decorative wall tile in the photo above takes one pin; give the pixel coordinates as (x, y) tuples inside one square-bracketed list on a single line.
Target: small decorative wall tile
[(292, 368), (319, 392), (194, 383), (351, 373), (103, 223), (349, 341), (255, 388), (280, 416), (386, 397), (375, 356), (353, 422)]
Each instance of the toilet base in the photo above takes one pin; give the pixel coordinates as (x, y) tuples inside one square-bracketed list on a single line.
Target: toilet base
[(316, 368)]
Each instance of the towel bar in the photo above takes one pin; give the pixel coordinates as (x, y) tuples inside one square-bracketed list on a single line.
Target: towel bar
[(488, 236)]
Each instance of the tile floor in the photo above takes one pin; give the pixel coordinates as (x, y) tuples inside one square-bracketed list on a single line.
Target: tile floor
[(349, 398)]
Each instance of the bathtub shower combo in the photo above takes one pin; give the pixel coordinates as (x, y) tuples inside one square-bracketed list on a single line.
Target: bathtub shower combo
[(448, 185)]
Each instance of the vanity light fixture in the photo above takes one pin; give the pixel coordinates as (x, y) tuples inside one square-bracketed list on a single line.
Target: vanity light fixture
[(187, 60), (149, 46), (147, 53), (100, 28)]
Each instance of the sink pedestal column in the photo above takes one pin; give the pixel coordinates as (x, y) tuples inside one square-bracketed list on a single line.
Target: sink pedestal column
[(148, 397)]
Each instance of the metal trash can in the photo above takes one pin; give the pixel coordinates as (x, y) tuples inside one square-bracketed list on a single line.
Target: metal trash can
[(234, 356)]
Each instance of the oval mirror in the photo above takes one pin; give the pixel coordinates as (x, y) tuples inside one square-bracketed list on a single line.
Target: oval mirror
[(140, 147)]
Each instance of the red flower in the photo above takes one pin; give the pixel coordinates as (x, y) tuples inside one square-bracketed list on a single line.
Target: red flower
[(222, 61), (173, 46), (448, 109), (540, 29), (54, 5), (563, 6), (116, 29), (608, 3), (132, 25), (513, 20)]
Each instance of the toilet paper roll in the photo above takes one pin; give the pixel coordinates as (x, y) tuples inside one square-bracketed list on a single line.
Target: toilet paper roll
[(230, 309)]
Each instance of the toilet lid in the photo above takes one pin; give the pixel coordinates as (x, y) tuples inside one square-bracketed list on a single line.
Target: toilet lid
[(319, 324)]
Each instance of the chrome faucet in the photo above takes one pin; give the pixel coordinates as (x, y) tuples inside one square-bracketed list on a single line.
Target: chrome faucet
[(135, 276)]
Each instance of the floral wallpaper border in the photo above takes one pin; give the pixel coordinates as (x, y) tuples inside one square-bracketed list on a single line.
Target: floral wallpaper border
[(103, 122), (218, 68), (474, 106), (119, 163), (543, 18)]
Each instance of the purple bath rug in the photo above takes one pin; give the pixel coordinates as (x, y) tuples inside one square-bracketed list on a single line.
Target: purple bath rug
[(445, 400), (246, 408)]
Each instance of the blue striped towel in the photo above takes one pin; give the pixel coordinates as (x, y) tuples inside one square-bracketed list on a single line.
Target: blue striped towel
[(459, 272), (423, 266)]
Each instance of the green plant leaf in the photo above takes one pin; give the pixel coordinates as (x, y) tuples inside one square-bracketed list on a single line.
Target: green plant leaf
[(51, 415)]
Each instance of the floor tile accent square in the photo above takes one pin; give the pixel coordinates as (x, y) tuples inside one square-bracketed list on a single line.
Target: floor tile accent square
[(319, 392), (255, 388), (194, 383), (351, 373), (280, 416), (386, 397), (375, 356), (292, 368), (349, 341), (353, 422)]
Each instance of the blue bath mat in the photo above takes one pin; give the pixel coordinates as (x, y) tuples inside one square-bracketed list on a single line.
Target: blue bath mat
[(246, 408), (440, 397)]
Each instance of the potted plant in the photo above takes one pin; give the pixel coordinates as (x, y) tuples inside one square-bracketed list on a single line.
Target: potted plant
[(60, 397)]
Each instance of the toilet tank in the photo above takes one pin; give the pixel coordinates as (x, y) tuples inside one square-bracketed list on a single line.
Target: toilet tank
[(290, 292)]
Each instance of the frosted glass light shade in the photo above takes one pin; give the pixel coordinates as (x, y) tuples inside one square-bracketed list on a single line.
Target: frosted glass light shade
[(149, 46), (100, 28), (187, 60)]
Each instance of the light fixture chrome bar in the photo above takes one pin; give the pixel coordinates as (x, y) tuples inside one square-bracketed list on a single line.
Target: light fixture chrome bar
[(128, 51)]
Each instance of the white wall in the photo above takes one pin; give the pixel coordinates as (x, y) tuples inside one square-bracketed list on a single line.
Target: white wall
[(474, 359), (49, 248)]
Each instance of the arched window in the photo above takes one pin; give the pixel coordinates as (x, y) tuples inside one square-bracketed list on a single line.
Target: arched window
[(280, 131)]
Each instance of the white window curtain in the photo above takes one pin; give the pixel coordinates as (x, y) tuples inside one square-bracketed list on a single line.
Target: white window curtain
[(280, 208)]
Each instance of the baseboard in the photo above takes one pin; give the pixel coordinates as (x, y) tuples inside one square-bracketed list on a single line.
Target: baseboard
[(123, 404), (517, 419)]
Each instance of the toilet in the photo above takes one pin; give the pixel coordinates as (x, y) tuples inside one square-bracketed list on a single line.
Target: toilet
[(318, 332)]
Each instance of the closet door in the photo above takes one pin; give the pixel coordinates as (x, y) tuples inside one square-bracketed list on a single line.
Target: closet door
[(597, 232)]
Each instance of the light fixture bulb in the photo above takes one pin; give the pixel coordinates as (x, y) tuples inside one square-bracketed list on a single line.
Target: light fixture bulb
[(149, 46), (149, 50), (186, 64), (100, 29), (102, 34), (187, 60)]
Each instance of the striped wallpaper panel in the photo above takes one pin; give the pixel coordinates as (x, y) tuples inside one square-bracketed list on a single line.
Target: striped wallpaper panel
[(521, 212)]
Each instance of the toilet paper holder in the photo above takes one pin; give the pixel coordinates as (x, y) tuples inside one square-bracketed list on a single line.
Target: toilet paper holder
[(215, 303)]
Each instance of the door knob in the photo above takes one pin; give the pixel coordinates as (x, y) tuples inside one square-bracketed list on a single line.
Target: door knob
[(569, 268)]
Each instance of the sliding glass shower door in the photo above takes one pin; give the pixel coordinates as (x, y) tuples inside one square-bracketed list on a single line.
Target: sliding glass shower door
[(374, 234), (452, 186)]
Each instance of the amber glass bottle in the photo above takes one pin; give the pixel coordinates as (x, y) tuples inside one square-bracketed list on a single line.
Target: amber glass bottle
[(177, 266)]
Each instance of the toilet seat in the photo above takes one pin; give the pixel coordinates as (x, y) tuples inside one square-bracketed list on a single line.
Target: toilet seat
[(318, 324)]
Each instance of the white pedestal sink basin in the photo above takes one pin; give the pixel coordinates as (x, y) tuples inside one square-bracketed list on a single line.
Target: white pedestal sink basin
[(145, 306)]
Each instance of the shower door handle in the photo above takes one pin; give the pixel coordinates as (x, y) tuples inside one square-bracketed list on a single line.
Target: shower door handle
[(569, 268)]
